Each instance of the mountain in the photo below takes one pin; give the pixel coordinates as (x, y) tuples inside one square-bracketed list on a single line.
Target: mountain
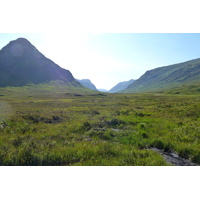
[(102, 90), (87, 83), (167, 77), (121, 86), (21, 63)]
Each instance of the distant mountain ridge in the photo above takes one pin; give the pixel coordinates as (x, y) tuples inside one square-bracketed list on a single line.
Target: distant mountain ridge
[(21, 63), (121, 86), (167, 77), (87, 83), (102, 90)]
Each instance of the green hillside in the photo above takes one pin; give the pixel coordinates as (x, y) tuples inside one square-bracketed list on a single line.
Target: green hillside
[(87, 83), (121, 86), (184, 89), (48, 89), (168, 77)]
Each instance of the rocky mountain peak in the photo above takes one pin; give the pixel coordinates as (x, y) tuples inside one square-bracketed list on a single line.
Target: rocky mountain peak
[(21, 63)]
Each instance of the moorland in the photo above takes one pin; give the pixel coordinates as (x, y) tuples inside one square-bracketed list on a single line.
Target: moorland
[(54, 125)]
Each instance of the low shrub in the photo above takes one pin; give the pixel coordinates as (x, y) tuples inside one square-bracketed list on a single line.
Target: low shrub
[(196, 159), (158, 144), (168, 148), (185, 153), (114, 123)]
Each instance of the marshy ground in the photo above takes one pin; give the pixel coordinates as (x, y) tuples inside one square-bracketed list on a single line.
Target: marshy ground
[(98, 129)]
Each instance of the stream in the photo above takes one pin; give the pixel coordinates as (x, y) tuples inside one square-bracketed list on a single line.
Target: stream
[(173, 158)]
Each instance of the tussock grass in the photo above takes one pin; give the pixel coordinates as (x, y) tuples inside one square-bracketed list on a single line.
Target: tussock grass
[(96, 129)]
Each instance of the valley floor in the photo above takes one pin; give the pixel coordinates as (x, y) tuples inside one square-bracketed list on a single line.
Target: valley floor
[(98, 129)]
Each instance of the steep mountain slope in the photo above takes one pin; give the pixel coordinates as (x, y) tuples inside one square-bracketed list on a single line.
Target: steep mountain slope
[(167, 77), (121, 86), (87, 83), (21, 63)]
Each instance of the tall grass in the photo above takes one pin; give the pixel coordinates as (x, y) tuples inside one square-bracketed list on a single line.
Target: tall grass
[(95, 129)]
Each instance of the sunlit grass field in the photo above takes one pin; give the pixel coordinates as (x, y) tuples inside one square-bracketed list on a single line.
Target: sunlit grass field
[(61, 128)]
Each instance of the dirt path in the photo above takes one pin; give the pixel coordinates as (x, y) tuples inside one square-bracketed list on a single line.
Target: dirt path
[(173, 158)]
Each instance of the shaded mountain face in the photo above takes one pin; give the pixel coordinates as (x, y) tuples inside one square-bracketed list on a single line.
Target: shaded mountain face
[(167, 77), (121, 86), (21, 63), (87, 83)]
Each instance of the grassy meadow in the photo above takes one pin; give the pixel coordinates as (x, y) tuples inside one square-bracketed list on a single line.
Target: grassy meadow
[(55, 127)]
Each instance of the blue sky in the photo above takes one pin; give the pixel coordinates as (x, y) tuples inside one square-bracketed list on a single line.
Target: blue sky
[(109, 58)]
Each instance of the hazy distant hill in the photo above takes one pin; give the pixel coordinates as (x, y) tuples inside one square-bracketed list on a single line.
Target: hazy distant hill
[(102, 90), (21, 63), (87, 83), (121, 86), (167, 77)]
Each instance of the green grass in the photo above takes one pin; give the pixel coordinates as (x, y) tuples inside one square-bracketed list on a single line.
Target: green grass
[(185, 89), (183, 75), (83, 128)]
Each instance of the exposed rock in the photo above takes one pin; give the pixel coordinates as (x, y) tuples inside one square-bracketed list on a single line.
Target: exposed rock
[(115, 129), (173, 158), (88, 139), (3, 125)]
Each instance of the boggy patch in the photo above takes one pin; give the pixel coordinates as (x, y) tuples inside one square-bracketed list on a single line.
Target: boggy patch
[(49, 120), (173, 158), (114, 122)]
